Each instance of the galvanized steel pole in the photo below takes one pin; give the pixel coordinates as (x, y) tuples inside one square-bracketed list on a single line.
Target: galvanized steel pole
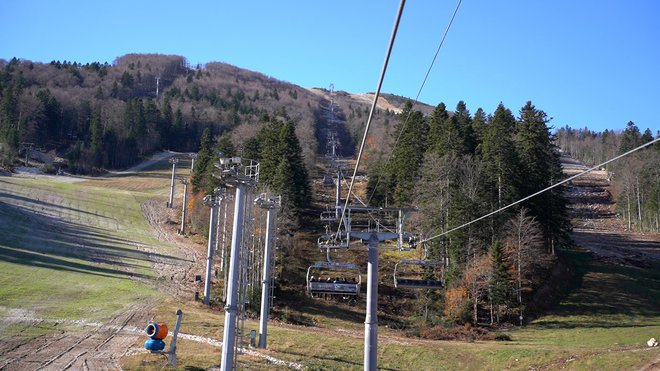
[(184, 208), (265, 283), (173, 161), (229, 338), (209, 253), (371, 321)]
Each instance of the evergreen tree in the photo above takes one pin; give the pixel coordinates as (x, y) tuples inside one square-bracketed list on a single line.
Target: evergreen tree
[(499, 290), (499, 158), (464, 123), (252, 148), (479, 127), (279, 144), (177, 131), (50, 123), (631, 138), (412, 132), (203, 161), (540, 164), (166, 122), (647, 136), (96, 142), (9, 117), (226, 146), (114, 93), (435, 121)]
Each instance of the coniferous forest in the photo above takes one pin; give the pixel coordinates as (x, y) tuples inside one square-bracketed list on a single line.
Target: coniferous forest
[(455, 167)]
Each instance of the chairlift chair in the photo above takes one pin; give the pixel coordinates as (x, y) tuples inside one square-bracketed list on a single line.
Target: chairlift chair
[(413, 273), (328, 216), (334, 278), (329, 241), (328, 181)]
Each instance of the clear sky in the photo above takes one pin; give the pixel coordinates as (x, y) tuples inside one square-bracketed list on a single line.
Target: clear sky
[(586, 63)]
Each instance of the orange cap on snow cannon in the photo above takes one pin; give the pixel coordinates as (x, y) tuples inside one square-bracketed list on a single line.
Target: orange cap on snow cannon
[(156, 331)]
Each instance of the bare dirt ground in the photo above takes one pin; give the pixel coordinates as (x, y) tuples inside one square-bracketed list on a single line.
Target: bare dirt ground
[(97, 349), (178, 279), (596, 226)]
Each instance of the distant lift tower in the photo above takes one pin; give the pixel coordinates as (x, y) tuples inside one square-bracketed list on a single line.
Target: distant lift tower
[(213, 201), (184, 208), (241, 174), (173, 161), (271, 204), (192, 156)]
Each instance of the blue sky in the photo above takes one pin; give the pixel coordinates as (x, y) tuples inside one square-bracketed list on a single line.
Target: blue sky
[(586, 63)]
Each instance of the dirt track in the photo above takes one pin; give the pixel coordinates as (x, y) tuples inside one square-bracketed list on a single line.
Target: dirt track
[(596, 227), (97, 349)]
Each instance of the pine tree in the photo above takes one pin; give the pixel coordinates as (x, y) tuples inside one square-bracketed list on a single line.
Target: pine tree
[(646, 137), (479, 127), (252, 149)]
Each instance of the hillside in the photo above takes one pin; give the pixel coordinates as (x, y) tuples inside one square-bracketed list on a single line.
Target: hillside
[(92, 115)]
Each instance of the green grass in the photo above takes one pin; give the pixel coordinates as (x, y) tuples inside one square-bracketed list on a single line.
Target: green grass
[(77, 258)]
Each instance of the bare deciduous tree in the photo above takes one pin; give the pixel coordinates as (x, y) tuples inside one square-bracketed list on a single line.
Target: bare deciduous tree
[(524, 246)]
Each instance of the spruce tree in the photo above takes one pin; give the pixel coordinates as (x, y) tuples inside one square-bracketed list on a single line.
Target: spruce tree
[(479, 127), (541, 167), (96, 145), (499, 158), (412, 133), (499, 289), (630, 138), (203, 161), (279, 144), (435, 121)]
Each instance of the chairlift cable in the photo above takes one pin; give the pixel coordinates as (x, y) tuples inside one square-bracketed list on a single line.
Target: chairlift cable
[(419, 92), (371, 112), (541, 191)]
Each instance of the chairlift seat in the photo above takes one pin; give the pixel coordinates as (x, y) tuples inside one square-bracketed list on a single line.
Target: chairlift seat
[(336, 288), (405, 278), (328, 181)]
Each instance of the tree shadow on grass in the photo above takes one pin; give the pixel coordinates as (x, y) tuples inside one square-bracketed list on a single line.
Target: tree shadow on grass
[(31, 239), (606, 295), (329, 358)]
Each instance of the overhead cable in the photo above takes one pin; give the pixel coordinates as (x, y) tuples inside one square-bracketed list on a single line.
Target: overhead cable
[(419, 92), (373, 109), (541, 191)]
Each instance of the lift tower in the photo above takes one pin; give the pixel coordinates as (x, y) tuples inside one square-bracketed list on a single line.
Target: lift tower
[(372, 225), (241, 174), (271, 204)]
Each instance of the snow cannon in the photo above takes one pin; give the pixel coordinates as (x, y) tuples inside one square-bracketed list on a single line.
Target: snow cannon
[(156, 331), (154, 345)]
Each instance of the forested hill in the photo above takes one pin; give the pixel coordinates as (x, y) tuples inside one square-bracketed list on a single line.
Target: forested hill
[(100, 115)]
